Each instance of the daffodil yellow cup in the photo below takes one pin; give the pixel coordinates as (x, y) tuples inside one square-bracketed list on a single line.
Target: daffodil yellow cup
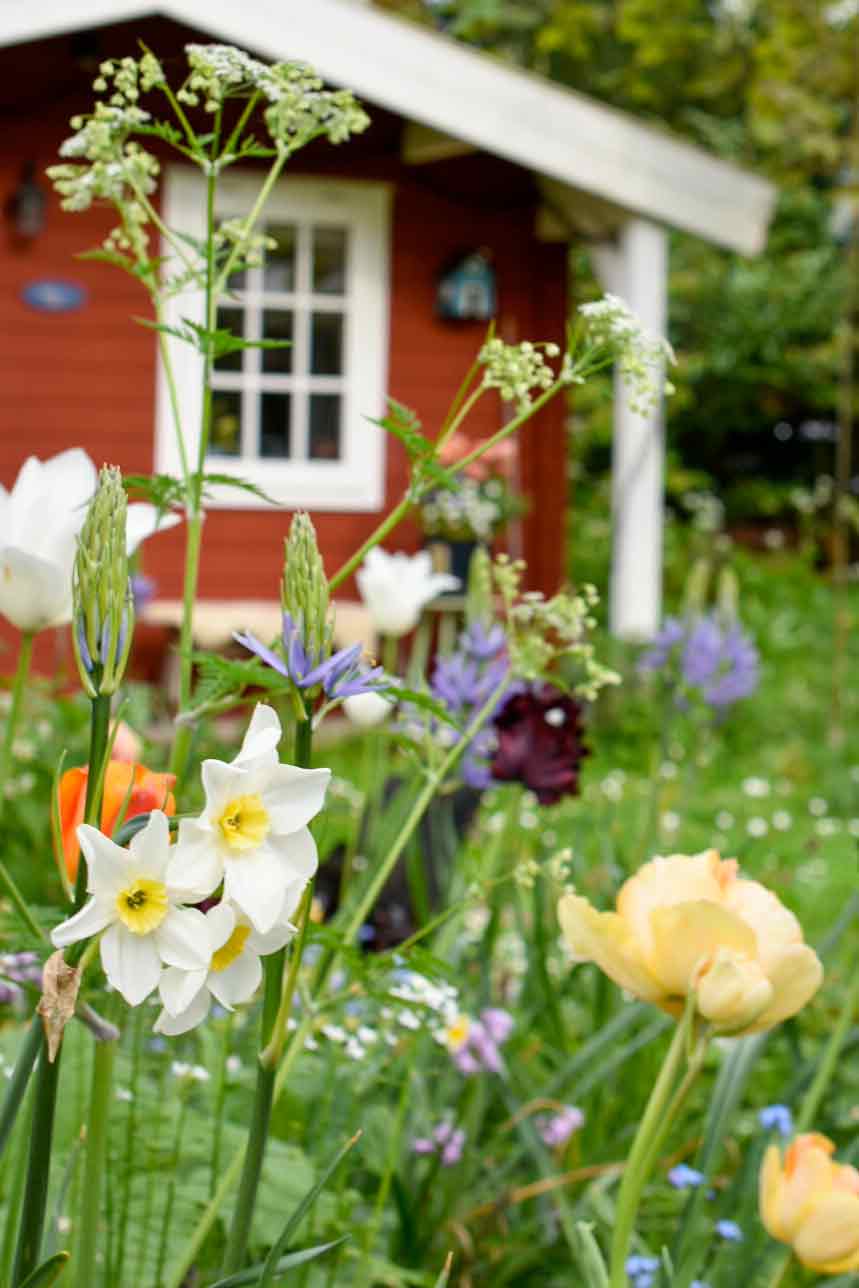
[(811, 1202), (692, 924)]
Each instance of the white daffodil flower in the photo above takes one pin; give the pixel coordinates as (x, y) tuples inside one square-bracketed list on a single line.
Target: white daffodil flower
[(39, 523), (395, 588), (136, 903), (253, 833), (233, 975)]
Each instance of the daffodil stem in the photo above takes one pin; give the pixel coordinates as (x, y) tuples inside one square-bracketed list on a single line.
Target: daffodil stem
[(20, 1080), (184, 733), (22, 671), (96, 1155), (277, 1000), (38, 1169), (657, 1115)]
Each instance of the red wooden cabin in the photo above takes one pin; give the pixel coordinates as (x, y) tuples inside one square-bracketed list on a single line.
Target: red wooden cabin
[(462, 154)]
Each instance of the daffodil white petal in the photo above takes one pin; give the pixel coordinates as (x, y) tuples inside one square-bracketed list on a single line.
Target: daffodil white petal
[(263, 735), (173, 1025), (107, 862), (150, 847), (220, 923), (90, 920), (299, 850), (237, 982), (131, 963), (178, 988), (279, 934), (182, 939), (195, 868), (255, 883), (221, 783), (295, 796)]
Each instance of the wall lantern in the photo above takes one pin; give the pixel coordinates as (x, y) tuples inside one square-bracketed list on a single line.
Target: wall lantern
[(25, 208), (466, 289)]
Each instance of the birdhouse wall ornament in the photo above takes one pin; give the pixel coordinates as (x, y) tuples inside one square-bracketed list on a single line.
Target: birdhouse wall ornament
[(466, 289)]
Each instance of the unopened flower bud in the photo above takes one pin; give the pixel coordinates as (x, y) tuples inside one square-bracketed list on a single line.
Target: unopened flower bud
[(304, 591), (103, 607), (478, 603)]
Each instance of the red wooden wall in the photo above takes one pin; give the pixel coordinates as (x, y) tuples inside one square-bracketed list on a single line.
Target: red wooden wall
[(88, 377)]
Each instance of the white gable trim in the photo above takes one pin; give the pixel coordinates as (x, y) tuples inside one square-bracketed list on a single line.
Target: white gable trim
[(429, 78)]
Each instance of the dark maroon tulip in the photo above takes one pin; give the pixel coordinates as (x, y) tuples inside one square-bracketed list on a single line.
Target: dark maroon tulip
[(540, 743)]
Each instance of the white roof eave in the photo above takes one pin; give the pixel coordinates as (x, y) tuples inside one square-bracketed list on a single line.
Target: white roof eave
[(427, 77)]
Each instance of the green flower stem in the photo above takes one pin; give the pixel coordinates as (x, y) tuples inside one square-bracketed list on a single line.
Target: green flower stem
[(35, 1199), (276, 1003), (101, 1089), (184, 732), (387, 525), (20, 1079), (826, 1067), (641, 1155), (22, 671)]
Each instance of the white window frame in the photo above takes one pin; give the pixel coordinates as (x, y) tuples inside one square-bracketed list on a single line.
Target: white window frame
[(356, 481)]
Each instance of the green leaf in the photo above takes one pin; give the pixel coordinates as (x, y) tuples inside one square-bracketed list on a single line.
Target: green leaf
[(252, 1275), (162, 490), (590, 1259), (48, 1272), (243, 485), (403, 423), (272, 1260), (425, 702)]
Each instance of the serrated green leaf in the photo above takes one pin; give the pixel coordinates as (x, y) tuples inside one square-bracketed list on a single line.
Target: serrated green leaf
[(418, 698)]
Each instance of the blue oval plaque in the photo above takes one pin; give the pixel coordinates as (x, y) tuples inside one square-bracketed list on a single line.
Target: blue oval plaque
[(52, 296)]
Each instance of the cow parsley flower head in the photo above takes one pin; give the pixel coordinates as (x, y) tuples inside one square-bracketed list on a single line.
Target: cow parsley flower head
[(641, 355), (517, 371)]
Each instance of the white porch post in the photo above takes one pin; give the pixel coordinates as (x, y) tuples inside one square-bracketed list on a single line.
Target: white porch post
[(636, 269)]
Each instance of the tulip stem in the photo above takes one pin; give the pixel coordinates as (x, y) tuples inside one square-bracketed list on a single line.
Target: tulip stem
[(22, 671), (665, 1101), (826, 1067)]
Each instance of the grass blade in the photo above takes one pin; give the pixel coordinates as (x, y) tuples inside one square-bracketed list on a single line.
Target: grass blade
[(48, 1272), (252, 1275)]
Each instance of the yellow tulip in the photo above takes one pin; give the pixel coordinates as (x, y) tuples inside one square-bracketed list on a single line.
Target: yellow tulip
[(812, 1203), (692, 923)]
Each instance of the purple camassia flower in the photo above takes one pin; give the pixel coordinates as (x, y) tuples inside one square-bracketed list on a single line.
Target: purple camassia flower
[(719, 662), (340, 676), (557, 1130), (464, 681), (479, 1053), (22, 968), (445, 1137), (143, 590), (540, 745)]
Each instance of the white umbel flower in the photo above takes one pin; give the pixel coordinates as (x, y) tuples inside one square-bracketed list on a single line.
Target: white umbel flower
[(39, 523), (233, 974), (396, 587), (136, 903), (253, 833)]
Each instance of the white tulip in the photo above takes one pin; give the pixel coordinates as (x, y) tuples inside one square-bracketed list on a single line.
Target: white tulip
[(39, 523), (396, 587), (253, 833), (233, 975), (367, 709), (135, 901)]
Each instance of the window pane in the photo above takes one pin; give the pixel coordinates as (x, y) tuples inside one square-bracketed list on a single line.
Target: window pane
[(329, 260), (324, 430), (279, 270), (277, 325), (230, 320), (274, 425), (225, 437), (326, 344)]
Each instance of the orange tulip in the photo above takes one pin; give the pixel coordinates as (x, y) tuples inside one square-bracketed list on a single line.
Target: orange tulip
[(144, 789)]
